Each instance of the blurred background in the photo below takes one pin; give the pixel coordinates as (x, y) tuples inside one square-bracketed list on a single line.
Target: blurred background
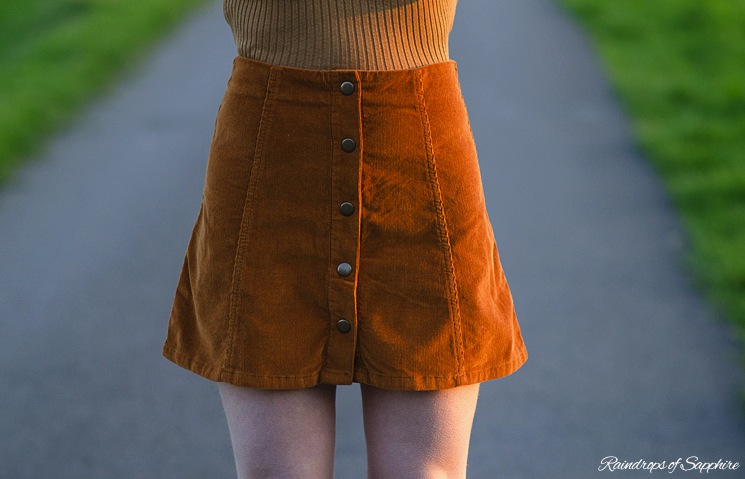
[(611, 137)]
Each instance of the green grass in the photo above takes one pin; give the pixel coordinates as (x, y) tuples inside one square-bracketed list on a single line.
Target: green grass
[(56, 53), (679, 67)]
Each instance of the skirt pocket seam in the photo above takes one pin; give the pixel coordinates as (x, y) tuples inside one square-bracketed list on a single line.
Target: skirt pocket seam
[(236, 296), (443, 233)]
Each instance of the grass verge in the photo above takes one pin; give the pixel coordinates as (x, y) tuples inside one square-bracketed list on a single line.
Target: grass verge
[(679, 67), (56, 53)]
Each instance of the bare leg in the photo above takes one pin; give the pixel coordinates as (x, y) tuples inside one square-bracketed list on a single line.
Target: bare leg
[(418, 434), (281, 433)]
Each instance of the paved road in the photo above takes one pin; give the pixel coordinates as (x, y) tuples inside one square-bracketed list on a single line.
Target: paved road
[(625, 357)]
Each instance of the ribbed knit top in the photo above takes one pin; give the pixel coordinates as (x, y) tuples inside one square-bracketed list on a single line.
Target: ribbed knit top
[(349, 34)]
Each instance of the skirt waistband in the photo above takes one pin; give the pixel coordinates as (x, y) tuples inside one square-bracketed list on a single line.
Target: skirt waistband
[(253, 75)]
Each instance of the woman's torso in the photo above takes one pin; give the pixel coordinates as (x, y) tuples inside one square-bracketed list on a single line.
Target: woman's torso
[(348, 34)]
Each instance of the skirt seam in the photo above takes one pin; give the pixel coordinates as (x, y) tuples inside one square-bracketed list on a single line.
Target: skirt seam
[(248, 207), (360, 202), (444, 235), (327, 282)]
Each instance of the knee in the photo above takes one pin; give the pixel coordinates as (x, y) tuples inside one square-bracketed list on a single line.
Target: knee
[(267, 458), (439, 472), (416, 470), (283, 470), (259, 470)]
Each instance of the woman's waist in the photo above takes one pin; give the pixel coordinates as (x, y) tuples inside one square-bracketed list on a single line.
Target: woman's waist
[(311, 86), (343, 58)]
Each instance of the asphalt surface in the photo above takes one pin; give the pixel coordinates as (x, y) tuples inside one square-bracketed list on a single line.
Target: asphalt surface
[(626, 359)]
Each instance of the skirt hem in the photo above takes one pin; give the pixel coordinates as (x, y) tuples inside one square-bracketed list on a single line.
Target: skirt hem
[(362, 376)]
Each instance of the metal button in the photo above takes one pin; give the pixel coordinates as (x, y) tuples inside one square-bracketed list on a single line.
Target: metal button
[(348, 145), (344, 269), (347, 88), (343, 326), (346, 208)]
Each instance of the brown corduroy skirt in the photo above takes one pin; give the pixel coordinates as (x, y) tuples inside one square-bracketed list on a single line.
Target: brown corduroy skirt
[(343, 237)]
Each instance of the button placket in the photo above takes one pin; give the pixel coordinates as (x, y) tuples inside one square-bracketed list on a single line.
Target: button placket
[(345, 195)]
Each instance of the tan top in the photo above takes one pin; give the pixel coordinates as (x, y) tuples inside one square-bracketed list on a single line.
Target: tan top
[(350, 34)]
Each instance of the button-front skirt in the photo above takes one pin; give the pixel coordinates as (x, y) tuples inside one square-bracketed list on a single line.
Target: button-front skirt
[(343, 237)]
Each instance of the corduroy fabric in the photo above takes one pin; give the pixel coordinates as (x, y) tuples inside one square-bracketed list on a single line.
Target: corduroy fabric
[(260, 296)]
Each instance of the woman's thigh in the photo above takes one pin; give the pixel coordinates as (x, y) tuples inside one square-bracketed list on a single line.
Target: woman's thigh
[(281, 433), (418, 434)]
